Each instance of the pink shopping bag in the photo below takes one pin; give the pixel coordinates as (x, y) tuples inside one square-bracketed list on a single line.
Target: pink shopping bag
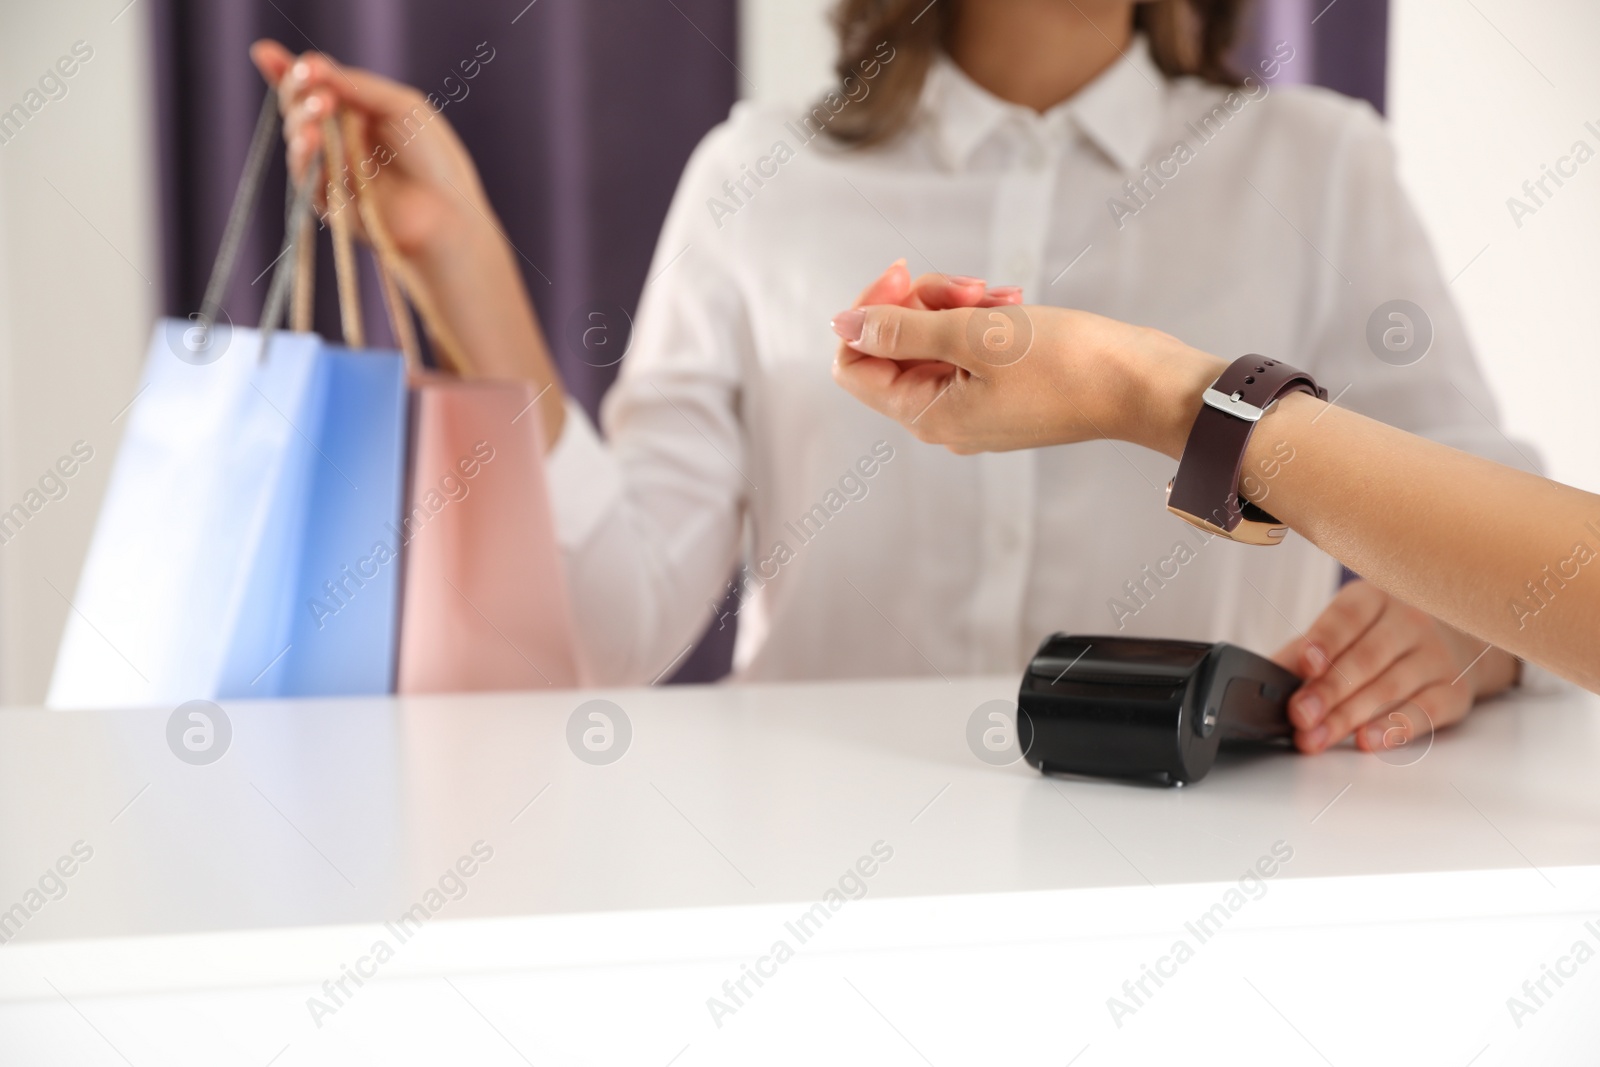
[(484, 602)]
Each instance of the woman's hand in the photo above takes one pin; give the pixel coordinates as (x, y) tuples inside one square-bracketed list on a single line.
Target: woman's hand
[(1386, 672), (407, 161), (987, 379), (934, 292), (429, 194)]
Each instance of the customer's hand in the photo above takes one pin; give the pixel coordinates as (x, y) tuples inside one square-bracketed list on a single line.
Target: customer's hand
[(1000, 378), (429, 193), (1386, 672)]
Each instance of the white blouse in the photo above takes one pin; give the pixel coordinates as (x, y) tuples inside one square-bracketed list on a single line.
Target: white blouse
[(1269, 221)]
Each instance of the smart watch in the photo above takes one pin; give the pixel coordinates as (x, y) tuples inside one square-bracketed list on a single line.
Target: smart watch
[(1205, 492)]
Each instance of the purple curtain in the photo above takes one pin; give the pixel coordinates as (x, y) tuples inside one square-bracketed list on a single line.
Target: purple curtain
[(1340, 44)]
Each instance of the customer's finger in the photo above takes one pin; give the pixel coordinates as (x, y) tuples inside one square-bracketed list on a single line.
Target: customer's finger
[(904, 334), (902, 391)]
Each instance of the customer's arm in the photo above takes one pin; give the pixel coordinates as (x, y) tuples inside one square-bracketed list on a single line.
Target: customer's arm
[(1507, 556), (1369, 652)]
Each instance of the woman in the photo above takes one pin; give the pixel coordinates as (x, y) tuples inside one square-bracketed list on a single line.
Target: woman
[(1088, 150), (1501, 553)]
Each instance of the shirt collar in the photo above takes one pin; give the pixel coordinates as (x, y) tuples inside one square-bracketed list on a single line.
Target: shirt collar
[(1117, 111)]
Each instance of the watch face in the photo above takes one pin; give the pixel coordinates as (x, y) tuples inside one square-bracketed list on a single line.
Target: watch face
[(1117, 659)]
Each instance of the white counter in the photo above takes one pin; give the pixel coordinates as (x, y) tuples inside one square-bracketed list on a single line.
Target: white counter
[(607, 905)]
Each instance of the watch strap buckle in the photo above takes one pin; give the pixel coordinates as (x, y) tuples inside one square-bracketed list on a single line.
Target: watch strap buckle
[(1234, 404)]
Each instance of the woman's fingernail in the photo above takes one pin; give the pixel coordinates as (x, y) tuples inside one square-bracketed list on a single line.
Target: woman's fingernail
[(849, 324), (1375, 737), (300, 71), (1006, 292), (314, 104), (1318, 738), (1310, 707), (962, 279)]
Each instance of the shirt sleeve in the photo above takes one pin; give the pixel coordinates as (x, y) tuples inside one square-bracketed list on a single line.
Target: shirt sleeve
[(1408, 364), (649, 516), (583, 480)]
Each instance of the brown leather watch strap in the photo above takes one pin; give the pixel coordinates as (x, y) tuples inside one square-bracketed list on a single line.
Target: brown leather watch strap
[(1207, 484)]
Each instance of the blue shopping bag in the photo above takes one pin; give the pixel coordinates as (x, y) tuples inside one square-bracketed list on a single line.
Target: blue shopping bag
[(344, 579), (246, 546)]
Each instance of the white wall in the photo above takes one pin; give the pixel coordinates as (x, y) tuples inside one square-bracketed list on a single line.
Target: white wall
[(786, 49), (78, 277), (1474, 117)]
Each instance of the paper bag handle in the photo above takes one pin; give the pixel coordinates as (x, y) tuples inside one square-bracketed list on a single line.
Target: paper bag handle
[(339, 198), (341, 133), (298, 237), (402, 290), (244, 202)]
